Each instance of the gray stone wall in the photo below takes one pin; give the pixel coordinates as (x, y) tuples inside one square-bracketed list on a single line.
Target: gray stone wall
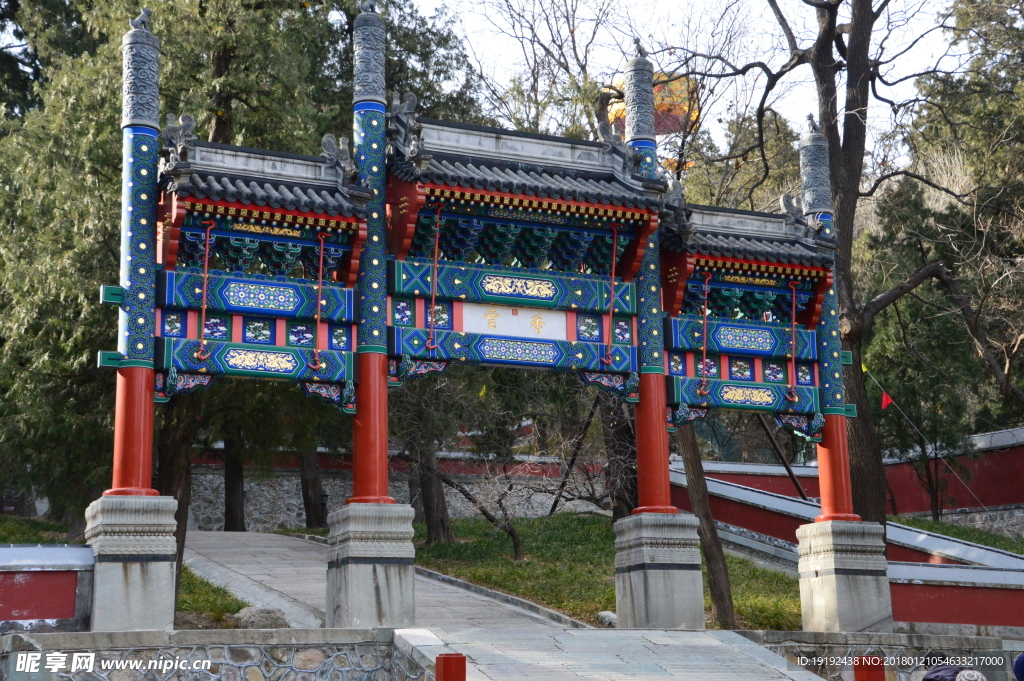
[(1006, 520), (275, 502), (242, 655)]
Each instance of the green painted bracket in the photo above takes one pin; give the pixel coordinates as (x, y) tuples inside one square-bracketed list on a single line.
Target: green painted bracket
[(111, 295), (108, 359), (846, 357), (851, 410)]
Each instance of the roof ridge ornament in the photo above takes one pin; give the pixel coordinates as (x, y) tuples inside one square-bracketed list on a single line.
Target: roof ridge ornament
[(339, 157), (180, 133), (404, 129), (792, 206), (605, 133), (178, 144)]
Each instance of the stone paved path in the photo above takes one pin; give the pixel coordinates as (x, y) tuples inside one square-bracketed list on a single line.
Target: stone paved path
[(275, 570), (545, 654), (501, 642)]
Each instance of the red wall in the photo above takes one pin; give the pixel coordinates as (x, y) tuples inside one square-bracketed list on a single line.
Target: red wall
[(37, 595), (995, 477), (782, 526), (777, 484), (957, 604), (905, 554), (753, 518)]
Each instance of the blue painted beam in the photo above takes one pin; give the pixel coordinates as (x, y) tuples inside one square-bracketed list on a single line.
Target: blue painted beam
[(472, 348), (739, 337), (292, 298)]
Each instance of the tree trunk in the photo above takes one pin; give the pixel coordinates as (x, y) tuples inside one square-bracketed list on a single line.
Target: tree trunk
[(697, 488), (416, 495), (936, 494), (620, 446), (846, 134), (234, 487), (517, 541), (581, 435), (505, 525), (867, 473), (223, 101), (542, 435), (751, 438), (312, 488), (435, 505), (179, 428)]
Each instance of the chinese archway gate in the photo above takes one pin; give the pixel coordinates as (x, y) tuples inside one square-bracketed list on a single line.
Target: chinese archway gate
[(433, 242)]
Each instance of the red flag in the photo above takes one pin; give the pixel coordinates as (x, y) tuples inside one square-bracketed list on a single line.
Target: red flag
[(886, 400)]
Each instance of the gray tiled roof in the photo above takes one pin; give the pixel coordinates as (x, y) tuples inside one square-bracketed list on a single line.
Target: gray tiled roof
[(522, 178), (264, 192), (784, 251)]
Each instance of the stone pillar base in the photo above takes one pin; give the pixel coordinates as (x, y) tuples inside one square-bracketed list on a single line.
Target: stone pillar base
[(370, 573), (843, 581), (132, 538), (658, 582)]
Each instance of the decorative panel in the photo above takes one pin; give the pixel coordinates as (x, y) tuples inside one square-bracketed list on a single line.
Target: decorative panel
[(253, 294), (518, 322), (254, 361), (725, 394)]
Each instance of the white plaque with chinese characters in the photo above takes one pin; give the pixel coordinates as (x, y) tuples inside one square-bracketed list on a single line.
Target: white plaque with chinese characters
[(516, 322)]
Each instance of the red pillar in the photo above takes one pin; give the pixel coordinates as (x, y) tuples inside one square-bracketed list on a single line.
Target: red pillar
[(133, 433), (834, 472), (652, 447), (450, 667), (370, 450)]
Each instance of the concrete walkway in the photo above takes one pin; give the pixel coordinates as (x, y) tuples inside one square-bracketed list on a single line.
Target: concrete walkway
[(278, 571), (501, 642)]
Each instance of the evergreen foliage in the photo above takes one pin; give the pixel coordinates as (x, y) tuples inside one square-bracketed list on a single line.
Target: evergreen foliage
[(729, 177), (272, 75), (967, 139)]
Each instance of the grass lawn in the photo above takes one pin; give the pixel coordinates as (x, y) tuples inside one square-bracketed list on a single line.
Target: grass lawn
[(195, 594), (316, 531), (569, 566), (996, 541), (17, 530)]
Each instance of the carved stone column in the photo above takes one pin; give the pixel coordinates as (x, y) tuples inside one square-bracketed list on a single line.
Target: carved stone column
[(370, 573), (132, 538), (658, 582), (843, 580)]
